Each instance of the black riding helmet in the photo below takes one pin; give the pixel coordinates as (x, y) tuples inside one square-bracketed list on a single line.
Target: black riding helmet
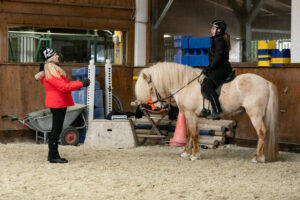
[(220, 25)]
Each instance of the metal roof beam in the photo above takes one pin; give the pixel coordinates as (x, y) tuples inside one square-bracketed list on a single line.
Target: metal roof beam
[(163, 14)]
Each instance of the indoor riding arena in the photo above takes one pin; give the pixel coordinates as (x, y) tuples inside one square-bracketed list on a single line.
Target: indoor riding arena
[(149, 99)]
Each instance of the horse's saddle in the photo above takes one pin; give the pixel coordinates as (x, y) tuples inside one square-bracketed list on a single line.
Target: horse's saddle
[(229, 78)]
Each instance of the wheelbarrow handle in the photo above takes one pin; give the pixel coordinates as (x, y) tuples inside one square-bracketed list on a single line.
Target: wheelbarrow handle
[(13, 118)]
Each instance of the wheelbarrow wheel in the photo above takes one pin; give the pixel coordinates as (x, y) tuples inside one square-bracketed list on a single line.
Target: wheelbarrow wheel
[(69, 136)]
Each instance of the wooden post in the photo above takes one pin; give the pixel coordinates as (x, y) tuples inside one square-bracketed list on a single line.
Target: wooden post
[(3, 39)]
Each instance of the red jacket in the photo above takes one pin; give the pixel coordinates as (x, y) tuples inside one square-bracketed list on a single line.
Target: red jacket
[(58, 91)]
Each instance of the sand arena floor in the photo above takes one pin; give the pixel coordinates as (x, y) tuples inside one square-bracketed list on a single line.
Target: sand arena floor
[(144, 173)]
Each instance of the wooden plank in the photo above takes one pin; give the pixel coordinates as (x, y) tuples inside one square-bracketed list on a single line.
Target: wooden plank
[(130, 47), (66, 10), (146, 121), (67, 22), (125, 4), (3, 38), (147, 131), (210, 139), (222, 122), (211, 127), (149, 136)]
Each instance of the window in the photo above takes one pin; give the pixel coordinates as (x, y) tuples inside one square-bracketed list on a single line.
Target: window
[(73, 46)]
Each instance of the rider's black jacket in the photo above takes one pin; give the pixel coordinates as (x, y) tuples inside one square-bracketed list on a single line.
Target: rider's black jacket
[(219, 67)]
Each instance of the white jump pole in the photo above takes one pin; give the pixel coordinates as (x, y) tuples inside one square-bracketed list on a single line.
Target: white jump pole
[(108, 87), (91, 91)]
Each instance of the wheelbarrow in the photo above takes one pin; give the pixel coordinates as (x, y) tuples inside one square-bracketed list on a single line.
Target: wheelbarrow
[(41, 122)]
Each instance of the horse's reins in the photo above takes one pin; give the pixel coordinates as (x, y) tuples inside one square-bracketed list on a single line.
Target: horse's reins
[(160, 99)]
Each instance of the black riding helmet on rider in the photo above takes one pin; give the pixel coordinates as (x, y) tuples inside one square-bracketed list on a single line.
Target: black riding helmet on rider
[(220, 25)]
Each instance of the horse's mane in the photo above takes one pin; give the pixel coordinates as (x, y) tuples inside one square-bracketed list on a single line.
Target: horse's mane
[(164, 76)]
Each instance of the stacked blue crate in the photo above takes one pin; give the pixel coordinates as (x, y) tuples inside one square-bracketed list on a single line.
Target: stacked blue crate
[(80, 96), (193, 51), (180, 43)]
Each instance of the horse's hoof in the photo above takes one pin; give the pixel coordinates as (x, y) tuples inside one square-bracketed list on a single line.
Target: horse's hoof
[(184, 155), (193, 158), (261, 159), (254, 160)]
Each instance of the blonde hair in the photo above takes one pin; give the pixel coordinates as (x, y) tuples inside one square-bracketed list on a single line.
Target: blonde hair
[(51, 69)]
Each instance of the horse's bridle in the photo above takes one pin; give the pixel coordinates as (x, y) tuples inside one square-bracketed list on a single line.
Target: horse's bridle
[(163, 100)]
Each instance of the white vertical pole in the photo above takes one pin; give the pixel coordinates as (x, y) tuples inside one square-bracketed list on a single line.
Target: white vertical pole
[(141, 20), (295, 32), (108, 87), (91, 91)]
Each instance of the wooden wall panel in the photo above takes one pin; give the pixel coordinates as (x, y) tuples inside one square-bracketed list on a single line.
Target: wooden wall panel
[(20, 93), (70, 22), (3, 38), (67, 10), (126, 4)]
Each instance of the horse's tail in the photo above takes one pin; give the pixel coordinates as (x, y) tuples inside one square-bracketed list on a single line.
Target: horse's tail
[(271, 122)]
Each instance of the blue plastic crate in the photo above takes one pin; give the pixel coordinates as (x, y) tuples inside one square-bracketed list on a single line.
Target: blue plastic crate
[(199, 61), (199, 43), (285, 53), (98, 99), (97, 86), (99, 113), (185, 60), (185, 43), (263, 59), (76, 73), (178, 57), (79, 96), (178, 37), (82, 135), (82, 73), (75, 96), (177, 43), (264, 52)]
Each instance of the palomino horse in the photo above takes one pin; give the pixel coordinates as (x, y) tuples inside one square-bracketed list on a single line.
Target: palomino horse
[(254, 94)]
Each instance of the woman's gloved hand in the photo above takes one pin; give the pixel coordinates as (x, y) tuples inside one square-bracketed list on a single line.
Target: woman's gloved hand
[(86, 82)]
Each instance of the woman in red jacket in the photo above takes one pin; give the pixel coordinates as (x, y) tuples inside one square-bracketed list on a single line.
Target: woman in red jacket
[(58, 98)]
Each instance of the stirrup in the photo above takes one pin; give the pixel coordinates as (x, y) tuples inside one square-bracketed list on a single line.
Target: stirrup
[(215, 116)]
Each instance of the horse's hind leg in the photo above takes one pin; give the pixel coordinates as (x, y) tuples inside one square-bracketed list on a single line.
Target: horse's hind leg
[(261, 133)]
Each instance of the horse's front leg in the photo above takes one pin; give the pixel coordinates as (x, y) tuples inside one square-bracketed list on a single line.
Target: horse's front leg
[(188, 147)]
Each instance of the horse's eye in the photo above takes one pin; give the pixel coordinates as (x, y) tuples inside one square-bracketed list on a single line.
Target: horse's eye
[(151, 90)]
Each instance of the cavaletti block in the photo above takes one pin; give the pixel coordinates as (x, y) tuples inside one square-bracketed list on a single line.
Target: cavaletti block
[(280, 57), (264, 52)]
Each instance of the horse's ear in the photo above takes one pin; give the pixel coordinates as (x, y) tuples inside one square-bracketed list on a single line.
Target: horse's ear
[(145, 77)]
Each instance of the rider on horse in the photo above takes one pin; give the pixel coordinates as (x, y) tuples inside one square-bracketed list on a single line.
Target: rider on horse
[(219, 67)]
